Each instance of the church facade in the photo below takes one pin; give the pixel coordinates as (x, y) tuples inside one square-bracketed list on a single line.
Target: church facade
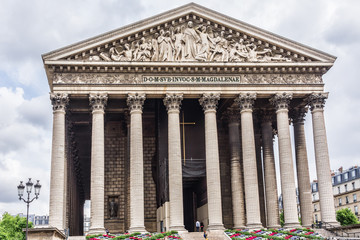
[(172, 119)]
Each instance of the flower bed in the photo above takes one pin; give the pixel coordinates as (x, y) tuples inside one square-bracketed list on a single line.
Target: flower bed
[(299, 233), (136, 236)]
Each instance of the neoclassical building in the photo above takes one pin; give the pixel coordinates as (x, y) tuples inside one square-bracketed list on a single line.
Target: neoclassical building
[(172, 119)]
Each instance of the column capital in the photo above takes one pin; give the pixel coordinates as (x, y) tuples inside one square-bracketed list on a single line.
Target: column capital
[(172, 101), (246, 101), (98, 101), (209, 101), (317, 100), (281, 100), (135, 101), (59, 101), (298, 114)]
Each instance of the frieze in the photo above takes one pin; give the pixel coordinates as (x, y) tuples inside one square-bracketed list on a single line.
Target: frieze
[(114, 78), (191, 41)]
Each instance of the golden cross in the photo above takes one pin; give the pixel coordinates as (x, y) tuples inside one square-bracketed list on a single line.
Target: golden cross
[(183, 123)]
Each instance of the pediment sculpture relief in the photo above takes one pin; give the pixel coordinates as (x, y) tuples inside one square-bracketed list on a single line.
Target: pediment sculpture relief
[(190, 42)]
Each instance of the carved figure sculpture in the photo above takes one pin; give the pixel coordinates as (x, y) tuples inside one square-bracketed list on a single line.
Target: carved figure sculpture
[(169, 55), (238, 51), (113, 208), (190, 40), (221, 47), (253, 54), (155, 48), (187, 42), (177, 37), (162, 45), (204, 50), (143, 53)]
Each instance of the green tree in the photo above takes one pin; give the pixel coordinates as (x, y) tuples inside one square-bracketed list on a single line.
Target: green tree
[(282, 221), (12, 227), (346, 217)]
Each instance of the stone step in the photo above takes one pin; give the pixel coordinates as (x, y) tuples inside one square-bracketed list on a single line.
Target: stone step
[(76, 238), (192, 235), (200, 235)]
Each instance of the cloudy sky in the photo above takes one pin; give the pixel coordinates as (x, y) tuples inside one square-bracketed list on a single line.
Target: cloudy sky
[(34, 27)]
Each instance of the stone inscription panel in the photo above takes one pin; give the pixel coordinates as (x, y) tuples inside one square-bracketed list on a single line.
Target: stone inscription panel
[(191, 79), (138, 79)]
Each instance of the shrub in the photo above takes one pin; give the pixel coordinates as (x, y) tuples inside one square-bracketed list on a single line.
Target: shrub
[(346, 217)]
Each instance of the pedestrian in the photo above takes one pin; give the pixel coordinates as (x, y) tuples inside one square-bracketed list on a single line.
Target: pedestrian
[(202, 226), (197, 224), (205, 235)]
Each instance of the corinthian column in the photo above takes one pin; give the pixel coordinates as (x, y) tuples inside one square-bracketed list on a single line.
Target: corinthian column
[(317, 102), (172, 103), (246, 102), (272, 207), (281, 103), (237, 190), (209, 103), (137, 223), (98, 102), (302, 167), (58, 162)]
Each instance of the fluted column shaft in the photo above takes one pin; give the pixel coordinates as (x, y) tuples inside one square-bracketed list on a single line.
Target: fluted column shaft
[(58, 162), (137, 221), (209, 103), (246, 102), (317, 102), (237, 190), (302, 167), (97, 188), (172, 103), (272, 207), (281, 102)]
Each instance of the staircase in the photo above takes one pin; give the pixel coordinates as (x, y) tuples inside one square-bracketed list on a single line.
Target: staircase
[(192, 235), (200, 235), (76, 238)]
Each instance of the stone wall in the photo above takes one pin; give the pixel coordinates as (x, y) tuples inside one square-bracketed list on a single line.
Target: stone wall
[(115, 157), (149, 183), (225, 174), (117, 177)]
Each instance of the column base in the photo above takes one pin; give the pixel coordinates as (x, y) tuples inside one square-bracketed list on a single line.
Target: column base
[(306, 226), (137, 229), (215, 234), (50, 233), (216, 227), (273, 226), (292, 225), (254, 226), (99, 230), (178, 228), (239, 227)]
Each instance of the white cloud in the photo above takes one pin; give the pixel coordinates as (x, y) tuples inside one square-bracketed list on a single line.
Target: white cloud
[(24, 146)]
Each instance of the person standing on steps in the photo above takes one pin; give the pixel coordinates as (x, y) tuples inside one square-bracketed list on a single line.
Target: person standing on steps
[(197, 224), (202, 226)]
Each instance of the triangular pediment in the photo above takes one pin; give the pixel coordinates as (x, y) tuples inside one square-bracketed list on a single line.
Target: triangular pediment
[(190, 33)]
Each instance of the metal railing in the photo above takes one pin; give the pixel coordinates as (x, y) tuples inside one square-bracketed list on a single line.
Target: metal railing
[(336, 230)]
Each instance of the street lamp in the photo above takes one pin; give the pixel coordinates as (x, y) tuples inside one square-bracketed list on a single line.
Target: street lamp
[(21, 189)]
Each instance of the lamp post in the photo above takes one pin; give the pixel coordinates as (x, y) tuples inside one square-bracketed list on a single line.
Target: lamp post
[(21, 188)]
